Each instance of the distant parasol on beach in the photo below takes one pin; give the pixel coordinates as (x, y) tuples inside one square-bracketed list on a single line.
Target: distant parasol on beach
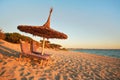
[(43, 31)]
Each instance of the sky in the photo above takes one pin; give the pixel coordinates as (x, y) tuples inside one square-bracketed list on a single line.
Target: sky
[(88, 23)]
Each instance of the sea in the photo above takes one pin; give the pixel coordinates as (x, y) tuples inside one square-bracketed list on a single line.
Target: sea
[(104, 52)]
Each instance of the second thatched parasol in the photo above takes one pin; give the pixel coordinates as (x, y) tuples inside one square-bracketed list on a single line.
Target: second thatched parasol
[(44, 31)]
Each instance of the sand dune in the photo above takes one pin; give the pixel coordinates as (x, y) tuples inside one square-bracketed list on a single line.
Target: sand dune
[(66, 66)]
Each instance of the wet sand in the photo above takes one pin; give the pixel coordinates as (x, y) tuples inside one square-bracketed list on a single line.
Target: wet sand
[(66, 65)]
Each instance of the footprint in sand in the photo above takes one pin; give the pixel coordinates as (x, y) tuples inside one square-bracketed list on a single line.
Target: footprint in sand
[(21, 74), (4, 63), (2, 68), (1, 60), (25, 74), (43, 78), (2, 72), (21, 69), (31, 78), (23, 78)]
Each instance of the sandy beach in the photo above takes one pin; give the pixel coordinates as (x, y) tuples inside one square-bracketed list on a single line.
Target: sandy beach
[(66, 65)]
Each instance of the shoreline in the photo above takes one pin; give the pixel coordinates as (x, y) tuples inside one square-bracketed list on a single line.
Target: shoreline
[(114, 53), (66, 65)]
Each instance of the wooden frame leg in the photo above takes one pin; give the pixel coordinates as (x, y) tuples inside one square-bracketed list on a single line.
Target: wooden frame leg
[(20, 56), (41, 63)]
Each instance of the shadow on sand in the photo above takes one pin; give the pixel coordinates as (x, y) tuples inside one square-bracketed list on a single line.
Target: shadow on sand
[(1, 42), (8, 52)]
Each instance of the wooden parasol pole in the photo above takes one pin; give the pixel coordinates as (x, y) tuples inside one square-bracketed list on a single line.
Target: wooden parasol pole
[(43, 45)]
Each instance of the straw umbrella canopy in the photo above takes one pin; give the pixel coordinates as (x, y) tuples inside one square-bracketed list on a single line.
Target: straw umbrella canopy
[(43, 31)]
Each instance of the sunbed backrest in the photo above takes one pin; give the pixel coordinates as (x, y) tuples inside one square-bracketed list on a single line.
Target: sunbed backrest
[(34, 46), (25, 47)]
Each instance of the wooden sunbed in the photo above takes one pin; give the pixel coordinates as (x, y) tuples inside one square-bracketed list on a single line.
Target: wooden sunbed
[(26, 51)]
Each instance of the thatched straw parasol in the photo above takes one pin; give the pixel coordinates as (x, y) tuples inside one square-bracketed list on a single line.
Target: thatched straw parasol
[(44, 31)]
